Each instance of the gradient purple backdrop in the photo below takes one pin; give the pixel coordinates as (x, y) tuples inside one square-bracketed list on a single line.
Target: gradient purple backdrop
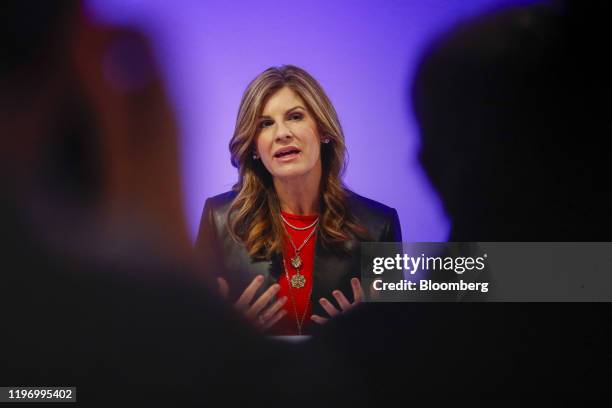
[(364, 53)]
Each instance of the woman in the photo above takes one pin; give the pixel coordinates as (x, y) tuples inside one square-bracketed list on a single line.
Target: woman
[(289, 229)]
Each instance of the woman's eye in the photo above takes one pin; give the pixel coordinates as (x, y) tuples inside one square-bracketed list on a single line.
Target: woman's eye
[(296, 116), (265, 124)]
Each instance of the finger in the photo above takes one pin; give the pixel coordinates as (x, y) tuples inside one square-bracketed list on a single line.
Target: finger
[(274, 319), (329, 308), (223, 288), (318, 319), (262, 301), (357, 293), (342, 300), (246, 297), (373, 294), (274, 308)]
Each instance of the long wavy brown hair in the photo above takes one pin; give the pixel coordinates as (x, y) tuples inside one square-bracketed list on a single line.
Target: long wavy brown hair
[(254, 215)]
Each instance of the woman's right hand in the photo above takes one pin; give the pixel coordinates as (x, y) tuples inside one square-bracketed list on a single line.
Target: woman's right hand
[(259, 313)]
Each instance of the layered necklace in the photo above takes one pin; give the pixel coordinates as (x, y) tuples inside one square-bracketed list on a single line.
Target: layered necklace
[(298, 321), (298, 280)]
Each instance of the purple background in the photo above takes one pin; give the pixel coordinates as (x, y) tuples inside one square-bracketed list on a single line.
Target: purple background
[(364, 53)]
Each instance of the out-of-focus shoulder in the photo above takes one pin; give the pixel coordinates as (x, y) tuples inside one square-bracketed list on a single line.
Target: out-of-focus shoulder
[(221, 201), (363, 206)]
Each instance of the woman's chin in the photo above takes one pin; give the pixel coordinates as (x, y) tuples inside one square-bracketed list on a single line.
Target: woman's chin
[(296, 171), (291, 172)]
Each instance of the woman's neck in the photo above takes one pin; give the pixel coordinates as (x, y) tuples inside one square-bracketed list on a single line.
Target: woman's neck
[(298, 197)]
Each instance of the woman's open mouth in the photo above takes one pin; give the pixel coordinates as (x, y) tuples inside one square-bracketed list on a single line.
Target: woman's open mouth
[(287, 154)]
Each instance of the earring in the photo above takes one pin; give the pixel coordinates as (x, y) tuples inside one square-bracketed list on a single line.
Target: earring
[(326, 140), (255, 156)]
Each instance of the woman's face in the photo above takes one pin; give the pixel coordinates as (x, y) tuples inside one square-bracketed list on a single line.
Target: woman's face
[(288, 142)]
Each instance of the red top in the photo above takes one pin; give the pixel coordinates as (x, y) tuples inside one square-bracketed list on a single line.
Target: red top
[(300, 296)]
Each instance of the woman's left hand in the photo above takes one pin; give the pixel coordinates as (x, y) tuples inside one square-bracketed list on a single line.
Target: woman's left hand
[(345, 305)]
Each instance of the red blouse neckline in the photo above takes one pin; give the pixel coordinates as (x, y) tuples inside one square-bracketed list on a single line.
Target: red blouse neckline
[(310, 217)]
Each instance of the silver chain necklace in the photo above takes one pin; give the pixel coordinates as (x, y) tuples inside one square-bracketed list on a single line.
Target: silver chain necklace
[(298, 280), (299, 228)]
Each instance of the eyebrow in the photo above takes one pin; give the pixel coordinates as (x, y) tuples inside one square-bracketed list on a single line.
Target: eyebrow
[(289, 110)]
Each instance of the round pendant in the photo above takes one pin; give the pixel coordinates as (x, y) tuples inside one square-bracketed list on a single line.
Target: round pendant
[(296, 261), (298, 281)]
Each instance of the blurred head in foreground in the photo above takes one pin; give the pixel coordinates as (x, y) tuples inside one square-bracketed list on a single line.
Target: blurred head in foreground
[(90, 140), (512, 130), (94, 269)]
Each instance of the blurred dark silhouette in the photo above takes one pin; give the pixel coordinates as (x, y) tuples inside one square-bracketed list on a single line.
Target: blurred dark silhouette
[(98, 290), (513, 131), (513, 126)]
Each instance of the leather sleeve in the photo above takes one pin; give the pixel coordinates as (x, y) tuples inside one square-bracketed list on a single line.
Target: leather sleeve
[(393, 233), (393, 230), (208, 248)]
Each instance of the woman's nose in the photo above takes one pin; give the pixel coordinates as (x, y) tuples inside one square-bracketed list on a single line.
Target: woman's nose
[(283, 132)]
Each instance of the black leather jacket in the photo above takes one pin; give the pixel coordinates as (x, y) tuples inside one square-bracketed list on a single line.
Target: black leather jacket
[(222, 256)]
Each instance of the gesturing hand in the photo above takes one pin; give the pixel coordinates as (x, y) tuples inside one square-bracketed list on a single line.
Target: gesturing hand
[(342, 301), (258, 313)]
